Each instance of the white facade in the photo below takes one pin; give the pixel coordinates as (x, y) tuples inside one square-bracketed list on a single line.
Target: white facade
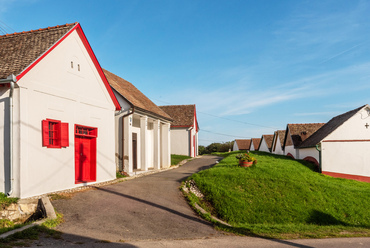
[(145, 144), (345, 151), (54, 90), (235, 146), (277, 146), (263, 146), (308, 154), (184, 141)]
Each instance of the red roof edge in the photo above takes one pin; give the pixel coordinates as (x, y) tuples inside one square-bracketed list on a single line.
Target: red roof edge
[(195, 119), (97, 65), (78, 28)]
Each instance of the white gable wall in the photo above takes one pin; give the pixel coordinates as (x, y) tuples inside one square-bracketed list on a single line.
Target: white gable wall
[(263, 146), (278, 148), (350, 153), (235, 146), (54, 90)]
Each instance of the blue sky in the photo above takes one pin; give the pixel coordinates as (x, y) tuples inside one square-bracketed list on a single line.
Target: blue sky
[(251, 67)]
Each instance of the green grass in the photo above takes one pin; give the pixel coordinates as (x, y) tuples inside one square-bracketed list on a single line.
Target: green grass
[(5, 201), (175, 159), (284, 198)]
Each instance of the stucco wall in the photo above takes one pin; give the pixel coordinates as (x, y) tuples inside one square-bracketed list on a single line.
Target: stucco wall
[(263, 146), (278, 148), (350, 154), (54, 90), (291, 150), (346, 157), (235, 147), (180, 141), (309, 152)]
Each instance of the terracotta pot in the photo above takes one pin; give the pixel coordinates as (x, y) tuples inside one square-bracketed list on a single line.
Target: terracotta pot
[(245, 163)]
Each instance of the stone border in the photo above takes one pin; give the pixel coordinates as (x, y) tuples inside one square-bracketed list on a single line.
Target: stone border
[(48, 211), (195, 190)]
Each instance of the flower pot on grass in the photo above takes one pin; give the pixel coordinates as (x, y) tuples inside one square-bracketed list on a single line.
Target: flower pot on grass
[(245, 163), (245, 160)]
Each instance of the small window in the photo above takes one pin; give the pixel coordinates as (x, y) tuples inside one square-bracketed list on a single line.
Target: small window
[(54, 134), (86, 131)]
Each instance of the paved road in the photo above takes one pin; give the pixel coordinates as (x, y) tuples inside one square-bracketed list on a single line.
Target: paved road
[(149, 207), (150, 212)]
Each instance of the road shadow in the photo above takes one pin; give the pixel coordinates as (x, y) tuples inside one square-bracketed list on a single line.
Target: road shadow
[(192, 218)]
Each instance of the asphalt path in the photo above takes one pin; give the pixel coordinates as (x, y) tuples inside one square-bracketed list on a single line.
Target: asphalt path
[(151, 212), (149, 207)]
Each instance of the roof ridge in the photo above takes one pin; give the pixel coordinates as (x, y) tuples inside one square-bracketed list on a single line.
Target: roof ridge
[(177, 105), (40, 29), (306, 123)]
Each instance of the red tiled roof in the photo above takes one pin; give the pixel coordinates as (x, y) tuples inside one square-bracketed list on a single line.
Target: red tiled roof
[(256, 143), (243, 144), (133, 95), (329, 127), (19, 50), (182, 115), (300, 132)]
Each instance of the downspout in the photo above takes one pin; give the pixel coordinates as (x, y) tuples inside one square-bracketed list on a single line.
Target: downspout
[(11, 80), (318, 147), (123, 135)]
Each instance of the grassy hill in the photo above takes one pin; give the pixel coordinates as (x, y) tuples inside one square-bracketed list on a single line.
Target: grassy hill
[(284, 198)]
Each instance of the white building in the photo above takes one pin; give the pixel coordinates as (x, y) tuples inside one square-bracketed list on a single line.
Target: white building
[(344, 144), (241, 145), (295, 134), (184, 129), (265, 143), (57, 124), (277, 142), (255, 143), (142, 130)]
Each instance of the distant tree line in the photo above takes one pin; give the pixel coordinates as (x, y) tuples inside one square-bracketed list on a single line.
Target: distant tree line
[(216, 147)]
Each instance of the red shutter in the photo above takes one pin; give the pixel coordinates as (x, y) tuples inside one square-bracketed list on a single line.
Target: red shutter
[(64, 137), (45, 133)]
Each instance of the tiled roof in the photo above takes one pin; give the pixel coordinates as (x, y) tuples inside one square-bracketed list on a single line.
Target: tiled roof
[(133, 95), (182, 115), (300, 132), (268, 139), (256, 142), (19, 50), (243, 144), (329, 127), (281, 134)]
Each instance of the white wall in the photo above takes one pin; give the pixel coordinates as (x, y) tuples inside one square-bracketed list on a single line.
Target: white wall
[(263, 146), (52, 89), (346, 157), (278, 148), (309, 152), (351, 155), (180, 141), (235, 147)]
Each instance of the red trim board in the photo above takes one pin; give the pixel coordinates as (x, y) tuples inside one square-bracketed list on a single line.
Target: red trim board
[(348, 176)]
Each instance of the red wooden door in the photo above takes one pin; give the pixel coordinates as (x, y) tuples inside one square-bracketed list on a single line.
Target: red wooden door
[(85, 158)]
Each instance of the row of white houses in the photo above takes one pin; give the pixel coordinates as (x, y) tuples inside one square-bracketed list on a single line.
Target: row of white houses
[(67, 122), (339, 148)]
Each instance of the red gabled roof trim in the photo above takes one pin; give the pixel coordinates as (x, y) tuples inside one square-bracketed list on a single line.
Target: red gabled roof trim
[(86, 43)]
